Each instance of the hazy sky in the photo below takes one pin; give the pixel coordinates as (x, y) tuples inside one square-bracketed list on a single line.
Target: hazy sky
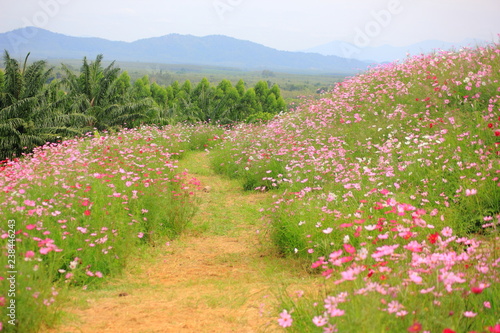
[(282, 24)]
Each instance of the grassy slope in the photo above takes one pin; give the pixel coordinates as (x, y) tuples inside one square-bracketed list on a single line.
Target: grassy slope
[(221, 274), (383, 182)]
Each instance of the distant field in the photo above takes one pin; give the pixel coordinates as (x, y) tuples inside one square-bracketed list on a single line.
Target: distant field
[(292, 85)]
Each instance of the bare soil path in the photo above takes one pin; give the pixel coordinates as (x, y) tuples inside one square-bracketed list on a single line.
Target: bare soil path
[(217, 277)]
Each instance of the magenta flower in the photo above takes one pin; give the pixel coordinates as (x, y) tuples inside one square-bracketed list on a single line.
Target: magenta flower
[(494, 329), (415, 327), (349, 248), (85, 202), (476, 290)]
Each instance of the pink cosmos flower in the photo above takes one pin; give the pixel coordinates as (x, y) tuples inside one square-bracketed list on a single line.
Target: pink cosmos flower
[(334, 312), (470, 314), (328, 230), (469, 192), (447, 232), (82, 230), (29, 254), (428, 290), (30, 203), (384, 251), (330, 329), (417, 279), (394, 306), (401, 313), (285, 319), (413, 246), (320, 321), (45, 250)]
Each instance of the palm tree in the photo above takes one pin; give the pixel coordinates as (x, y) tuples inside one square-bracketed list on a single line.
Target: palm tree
[(30, 109), (97, 92)]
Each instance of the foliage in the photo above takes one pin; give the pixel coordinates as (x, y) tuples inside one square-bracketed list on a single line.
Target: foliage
[(31, 111), (102, 93), (220, 104), (36, 108)]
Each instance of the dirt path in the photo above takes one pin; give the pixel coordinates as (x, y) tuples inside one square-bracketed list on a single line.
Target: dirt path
[(217, 277)]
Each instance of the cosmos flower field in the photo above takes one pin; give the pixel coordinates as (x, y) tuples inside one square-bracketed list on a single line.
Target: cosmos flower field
[(386, 187), (390, 186), (79, 209)]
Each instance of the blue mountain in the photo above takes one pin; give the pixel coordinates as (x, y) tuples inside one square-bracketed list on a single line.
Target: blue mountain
[(214, 50)]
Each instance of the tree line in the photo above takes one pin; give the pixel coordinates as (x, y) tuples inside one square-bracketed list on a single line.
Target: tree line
[(36, 107)]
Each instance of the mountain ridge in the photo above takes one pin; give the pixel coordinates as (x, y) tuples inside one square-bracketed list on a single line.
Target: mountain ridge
[(212, 50)]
